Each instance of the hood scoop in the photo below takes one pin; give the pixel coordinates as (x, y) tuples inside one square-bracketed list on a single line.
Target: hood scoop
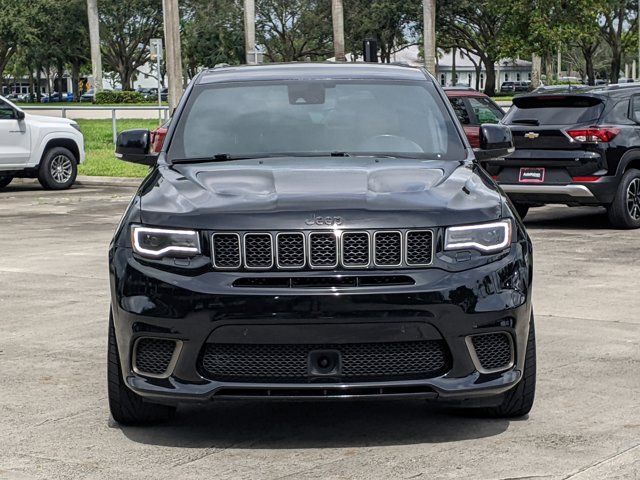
[(316, 182)]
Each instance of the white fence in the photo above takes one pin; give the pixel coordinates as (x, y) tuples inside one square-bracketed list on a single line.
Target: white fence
[(93, 112)]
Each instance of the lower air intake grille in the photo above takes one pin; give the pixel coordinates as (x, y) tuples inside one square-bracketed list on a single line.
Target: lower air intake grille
[(494, 350), (153, 355), (359, 361)]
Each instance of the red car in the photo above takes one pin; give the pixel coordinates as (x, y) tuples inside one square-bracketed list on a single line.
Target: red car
[(473, 108), (157, 137)]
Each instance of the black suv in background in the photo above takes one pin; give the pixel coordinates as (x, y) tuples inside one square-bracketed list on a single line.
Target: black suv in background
[(575, 148), (319, 231)]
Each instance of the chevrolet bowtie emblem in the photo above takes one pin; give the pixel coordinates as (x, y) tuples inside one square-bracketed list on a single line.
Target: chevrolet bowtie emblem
[(531, 135)]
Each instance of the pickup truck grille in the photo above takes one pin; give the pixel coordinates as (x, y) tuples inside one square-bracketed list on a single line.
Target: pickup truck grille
[(321, 250)]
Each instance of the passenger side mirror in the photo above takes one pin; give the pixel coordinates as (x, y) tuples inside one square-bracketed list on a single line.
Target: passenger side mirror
[(133, 146), (19, 115), (495, 142)]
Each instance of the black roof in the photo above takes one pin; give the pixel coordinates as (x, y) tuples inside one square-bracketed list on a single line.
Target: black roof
[(325, 70), (614, 90)]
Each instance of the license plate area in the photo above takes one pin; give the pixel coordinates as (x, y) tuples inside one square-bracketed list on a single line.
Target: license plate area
[(531, 175)]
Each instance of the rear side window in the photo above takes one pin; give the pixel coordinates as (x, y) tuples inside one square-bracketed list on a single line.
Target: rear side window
[(484, 110), (554, 110), (461, 110)]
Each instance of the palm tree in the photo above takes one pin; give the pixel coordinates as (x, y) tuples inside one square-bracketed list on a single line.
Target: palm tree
[(337, 14)]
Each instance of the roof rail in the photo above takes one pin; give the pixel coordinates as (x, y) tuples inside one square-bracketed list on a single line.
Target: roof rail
[(616, 86)]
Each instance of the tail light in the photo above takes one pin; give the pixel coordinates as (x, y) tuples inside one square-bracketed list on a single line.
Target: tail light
[(593, 134)]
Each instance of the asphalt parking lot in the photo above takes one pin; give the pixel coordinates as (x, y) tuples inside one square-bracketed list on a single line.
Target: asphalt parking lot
[(54, 421)]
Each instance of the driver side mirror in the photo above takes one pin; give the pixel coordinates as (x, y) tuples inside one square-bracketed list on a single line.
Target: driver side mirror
[(20, 115), (134, 146), (495, 142)]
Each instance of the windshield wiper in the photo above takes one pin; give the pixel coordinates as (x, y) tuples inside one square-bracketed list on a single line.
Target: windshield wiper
[(527, 121)]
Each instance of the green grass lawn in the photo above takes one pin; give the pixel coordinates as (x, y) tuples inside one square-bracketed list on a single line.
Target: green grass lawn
[(98, 143)]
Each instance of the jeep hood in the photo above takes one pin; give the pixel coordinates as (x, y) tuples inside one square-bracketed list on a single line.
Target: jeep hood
[(284, 193)]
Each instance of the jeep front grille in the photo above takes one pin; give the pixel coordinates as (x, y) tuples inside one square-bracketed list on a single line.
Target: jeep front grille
[(322, 250)]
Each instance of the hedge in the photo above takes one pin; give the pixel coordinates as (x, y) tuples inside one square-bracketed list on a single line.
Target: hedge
[(124, 96)]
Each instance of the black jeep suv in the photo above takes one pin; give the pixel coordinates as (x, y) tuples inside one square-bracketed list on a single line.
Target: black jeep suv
[(318, 231), (577, 148)]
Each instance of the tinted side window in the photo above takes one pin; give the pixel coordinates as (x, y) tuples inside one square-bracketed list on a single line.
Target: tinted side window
[(461, 110), (633, 107), (484, 110), (6, 112)]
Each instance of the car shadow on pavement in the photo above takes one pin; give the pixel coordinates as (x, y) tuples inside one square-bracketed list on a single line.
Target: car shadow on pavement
[(289, 425), (568, 218)]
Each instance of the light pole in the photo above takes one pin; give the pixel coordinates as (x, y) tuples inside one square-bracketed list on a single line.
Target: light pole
[(156, 44), (429, 10)]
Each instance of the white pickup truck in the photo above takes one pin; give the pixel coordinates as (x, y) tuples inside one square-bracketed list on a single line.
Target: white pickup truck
[(33, 146)]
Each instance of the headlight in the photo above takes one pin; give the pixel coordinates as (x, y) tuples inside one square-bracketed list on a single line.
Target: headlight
[(160, 242), (486, 237), (76, 126)]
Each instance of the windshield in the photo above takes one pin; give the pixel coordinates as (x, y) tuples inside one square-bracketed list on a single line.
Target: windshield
[(316, 117)]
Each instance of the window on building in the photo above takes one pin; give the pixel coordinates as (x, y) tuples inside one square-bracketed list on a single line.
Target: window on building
[(517, 77), (506, 77), (469, 79), (529, 76), (443, 79), (482, 81)]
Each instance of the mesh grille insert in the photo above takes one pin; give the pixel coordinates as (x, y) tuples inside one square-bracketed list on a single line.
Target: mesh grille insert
[(290, 250), (153, 355), (493, 350), (388, 248), (226, 250), (360, 361), (419, 247), (324, 249), (355, 249), (258, 250)]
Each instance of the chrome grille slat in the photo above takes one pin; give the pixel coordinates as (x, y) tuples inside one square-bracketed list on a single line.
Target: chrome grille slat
[(322, 249)]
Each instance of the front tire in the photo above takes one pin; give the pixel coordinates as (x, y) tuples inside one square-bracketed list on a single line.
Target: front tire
[(128, 408), (522, 209), (58, 169), (518, 401), (5, 180), (624, 211)]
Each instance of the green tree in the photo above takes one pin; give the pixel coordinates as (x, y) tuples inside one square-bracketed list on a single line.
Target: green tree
[(15, 30), (393, 23), (478, 27), (294, 30), (618, 28), (126, 27), (212, 33)]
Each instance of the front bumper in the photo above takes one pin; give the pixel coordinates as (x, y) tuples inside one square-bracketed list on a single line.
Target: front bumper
[(449, 306)]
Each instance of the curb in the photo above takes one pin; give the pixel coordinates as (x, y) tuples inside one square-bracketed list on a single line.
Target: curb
[(109, 181), (85, 180)]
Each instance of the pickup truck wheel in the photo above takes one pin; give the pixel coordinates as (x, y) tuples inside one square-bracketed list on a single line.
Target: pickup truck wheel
[(58, 169), (624, 211), (5, 180), (128, 408)]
